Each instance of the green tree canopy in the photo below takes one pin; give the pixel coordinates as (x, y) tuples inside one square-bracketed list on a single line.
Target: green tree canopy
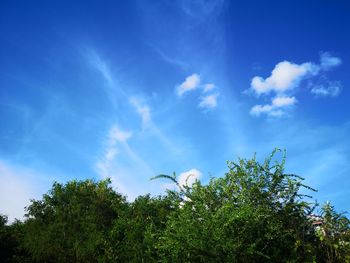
[(256, 212), (72, 222)]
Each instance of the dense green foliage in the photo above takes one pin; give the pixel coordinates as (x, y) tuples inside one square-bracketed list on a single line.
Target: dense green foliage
[(254, 213), (72, 222)]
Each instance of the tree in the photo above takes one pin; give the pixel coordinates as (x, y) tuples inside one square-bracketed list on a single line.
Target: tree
[(334, 235), (255, 213), (136, 233), (6, 243), (11, 237), (72, 222)]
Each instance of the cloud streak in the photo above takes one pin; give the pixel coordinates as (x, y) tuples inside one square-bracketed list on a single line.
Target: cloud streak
[(116, 160), (143, 110), (100, 65)]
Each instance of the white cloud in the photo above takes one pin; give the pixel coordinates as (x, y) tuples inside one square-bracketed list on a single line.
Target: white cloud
[(143, 110), (287, 75), (328, 61), (118, 135), (115, 92), (331, 89), (189, 177), (190, 83), (284, 76), (169, 58), (209, 101), (105, 162), (121, 163), (276, 108), (145, 113), (283, 101), (111, 153), (209, 98), (259, 109), (208, 87)]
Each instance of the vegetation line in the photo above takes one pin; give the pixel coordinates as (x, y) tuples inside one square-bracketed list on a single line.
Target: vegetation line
[(254, 213)]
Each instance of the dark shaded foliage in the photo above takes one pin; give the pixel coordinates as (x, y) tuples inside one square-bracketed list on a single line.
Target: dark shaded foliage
[(72, 222)]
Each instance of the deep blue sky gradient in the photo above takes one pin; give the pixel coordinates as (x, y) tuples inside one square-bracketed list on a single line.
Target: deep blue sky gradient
[(72, 71)]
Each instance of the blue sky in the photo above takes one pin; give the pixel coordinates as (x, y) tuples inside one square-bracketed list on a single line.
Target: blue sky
[(131, 89)]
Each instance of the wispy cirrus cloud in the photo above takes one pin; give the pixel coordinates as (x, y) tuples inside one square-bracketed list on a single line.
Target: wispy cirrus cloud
[(99, 64), (172, 60), (115, 136), (118, 135), (201, 9), (120, 158), (116, 159), (143, 110)]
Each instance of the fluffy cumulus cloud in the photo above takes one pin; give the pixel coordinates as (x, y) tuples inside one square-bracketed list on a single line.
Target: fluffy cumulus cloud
[(209, 98), (283, 101), (275, 109), (190, 83), (209, 101), (189, 177), (286, 77)]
